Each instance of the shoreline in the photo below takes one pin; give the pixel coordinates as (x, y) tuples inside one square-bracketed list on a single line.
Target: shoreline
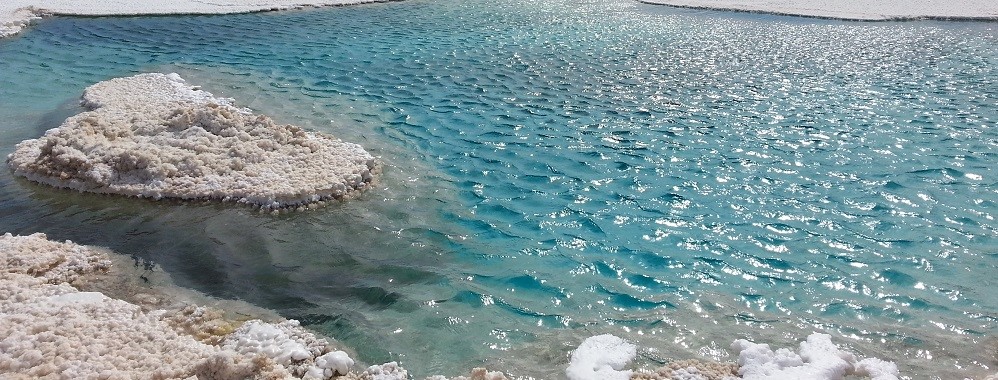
[(925, 10), (63, 294), (17, 15)]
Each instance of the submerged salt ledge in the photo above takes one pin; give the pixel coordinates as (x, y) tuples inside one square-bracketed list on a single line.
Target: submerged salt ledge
[(155, 136)]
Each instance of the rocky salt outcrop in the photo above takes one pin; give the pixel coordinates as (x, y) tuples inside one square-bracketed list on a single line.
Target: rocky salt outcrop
[(155, 136), (51, 329)]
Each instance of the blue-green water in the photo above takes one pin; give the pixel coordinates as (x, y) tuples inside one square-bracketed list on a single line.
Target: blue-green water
[(559, 169)]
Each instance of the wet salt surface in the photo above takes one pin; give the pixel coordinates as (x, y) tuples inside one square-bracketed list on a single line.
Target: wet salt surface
[(555, 171)]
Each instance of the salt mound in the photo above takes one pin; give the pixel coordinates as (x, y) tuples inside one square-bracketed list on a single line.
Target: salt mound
[(817, 359), (155, 136), (601, 357)]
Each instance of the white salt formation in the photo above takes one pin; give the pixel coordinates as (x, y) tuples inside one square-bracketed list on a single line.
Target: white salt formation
[(387, 371), (154, 136), (49, 329), (291, 346), (817, 359), (601, 357)]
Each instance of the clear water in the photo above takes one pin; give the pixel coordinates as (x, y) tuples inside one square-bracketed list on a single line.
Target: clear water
[(560, 169)]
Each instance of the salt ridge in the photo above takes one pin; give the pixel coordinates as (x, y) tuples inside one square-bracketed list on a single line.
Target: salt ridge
[(155, 136)]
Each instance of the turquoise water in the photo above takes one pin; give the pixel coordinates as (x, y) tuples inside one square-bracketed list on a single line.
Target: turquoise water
[(558, 169)]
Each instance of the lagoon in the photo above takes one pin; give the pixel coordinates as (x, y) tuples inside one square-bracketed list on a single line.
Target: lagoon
[(556, 170)]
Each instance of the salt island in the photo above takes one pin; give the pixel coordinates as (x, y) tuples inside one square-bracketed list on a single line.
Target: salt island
[(155, 136)]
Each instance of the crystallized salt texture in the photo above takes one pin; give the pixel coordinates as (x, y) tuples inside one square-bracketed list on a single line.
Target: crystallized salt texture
[(601, 357), (155, 136), (49, 329), (330, 364), (817, 359), (50, 261), (877, 369), (387, 371), (276, 341)]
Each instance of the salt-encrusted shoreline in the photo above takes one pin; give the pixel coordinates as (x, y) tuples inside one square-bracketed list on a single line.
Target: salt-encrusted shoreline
[(15, 15), (53, 324), (155, 136), (859, 10), (51, 327)]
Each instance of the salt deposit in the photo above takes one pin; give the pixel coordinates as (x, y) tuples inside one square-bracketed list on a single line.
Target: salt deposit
[(51, 329), (155, 136), (16, 14), (287, 344), (853, 10), (476, 374), (48, 261), (387, 371), (818, 359), (601, 357), (690, 369)]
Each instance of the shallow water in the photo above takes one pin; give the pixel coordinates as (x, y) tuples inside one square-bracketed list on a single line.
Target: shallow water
[(558, 169)]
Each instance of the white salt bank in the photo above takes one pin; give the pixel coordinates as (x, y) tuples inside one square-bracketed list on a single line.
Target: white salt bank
[(864, 10), (17, 14), (155, 136)]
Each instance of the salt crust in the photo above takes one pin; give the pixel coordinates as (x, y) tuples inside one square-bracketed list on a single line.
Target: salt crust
[(50, 329), (17, 14), (857, 10), (155, 136)]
